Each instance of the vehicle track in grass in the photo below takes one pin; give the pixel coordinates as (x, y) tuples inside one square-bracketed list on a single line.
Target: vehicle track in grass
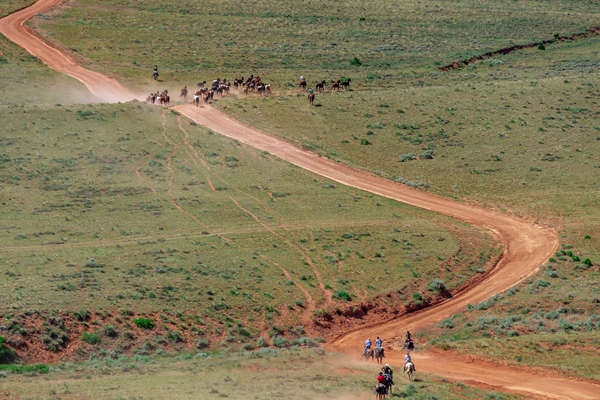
[(526, 244)]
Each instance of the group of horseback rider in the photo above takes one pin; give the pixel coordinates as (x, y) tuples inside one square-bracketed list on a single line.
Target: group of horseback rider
[(385, 377)]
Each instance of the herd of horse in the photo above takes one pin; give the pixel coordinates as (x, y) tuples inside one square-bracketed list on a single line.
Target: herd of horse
[(253, 84)]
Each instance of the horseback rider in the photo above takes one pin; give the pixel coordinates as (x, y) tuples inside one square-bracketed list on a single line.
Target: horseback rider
[(387, 370), (381, 378), (155, 72), (378, 342), (368, 345), (408, 360), (408, 335)]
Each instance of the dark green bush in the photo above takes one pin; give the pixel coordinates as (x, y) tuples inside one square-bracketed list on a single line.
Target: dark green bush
[(437, 285), (342, 295), (7, 355), (355, 61), (144, 323)]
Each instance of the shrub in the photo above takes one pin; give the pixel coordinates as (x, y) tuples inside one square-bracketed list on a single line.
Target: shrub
[(540, 284), (279, 341), (407, 157), (364, 142), (110, 331), (144, 323), (355, 61), (7, 355), (82, 315), (587, 262), (30, 369), (91, 338), (427, 155), (447, 323), (437, 285), (513, 333), (541, 46), (342, 295), (174, 336)]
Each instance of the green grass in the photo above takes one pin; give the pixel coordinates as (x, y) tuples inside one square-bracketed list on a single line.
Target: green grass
[(281, 40), (25, 80), (131, 211), (287, 374), (9, 6), (521, 135)]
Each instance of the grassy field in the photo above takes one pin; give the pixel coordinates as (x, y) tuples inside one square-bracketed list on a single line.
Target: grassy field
[(520, 133), (281, 40), (265, 374), (128, 210), (107, 207)]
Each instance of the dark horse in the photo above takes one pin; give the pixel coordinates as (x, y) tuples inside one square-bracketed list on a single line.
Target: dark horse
[(379, 354), (321, 85)]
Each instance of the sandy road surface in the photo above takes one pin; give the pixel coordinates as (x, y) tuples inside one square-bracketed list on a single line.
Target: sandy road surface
[(526, 245)]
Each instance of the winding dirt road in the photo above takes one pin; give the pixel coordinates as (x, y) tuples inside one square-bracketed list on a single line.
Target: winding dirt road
[(526, 245)]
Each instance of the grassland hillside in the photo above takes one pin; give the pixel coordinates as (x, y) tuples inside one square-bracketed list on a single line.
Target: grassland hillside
[(518, 133), (281, 40), (129, 232)]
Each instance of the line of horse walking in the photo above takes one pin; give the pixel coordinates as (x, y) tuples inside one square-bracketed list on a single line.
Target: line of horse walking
[(253, 84)]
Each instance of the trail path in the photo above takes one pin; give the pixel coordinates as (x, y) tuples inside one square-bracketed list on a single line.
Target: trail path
[(526, 245)]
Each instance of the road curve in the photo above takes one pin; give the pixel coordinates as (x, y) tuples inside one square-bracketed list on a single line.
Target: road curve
[(526, 245), (14, 28)]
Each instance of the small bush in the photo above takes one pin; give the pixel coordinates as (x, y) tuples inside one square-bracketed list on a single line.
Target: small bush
[(82, 315), (427, 155), (364, 142), (279, 341), (541, 46), (407, 157), (202, 344), (342, 295), (355, 61), (437, 285), (29, 369), (110, 331), (144, 323), (540, 284), (91, 338), (7, 355), (174, 337)]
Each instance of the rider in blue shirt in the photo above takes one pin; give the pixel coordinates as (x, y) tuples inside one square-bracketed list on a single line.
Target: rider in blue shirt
[(368, 344), (378, 342)]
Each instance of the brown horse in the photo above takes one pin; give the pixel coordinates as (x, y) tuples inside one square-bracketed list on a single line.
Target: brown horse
[(335, 85), (184, 92), (164, 99), (379, 354), (311, 98)]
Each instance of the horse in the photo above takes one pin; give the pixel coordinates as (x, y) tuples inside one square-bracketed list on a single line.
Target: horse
[(196, 100), (335, 85), (346, 83), (164, 99), (311, 100), (379, 354), (368, 353), (409, 370), (380, 391), (184, 92), (321, 85), (409, 344), (268, 89), (302, 84), (155, 75), (389, 382)]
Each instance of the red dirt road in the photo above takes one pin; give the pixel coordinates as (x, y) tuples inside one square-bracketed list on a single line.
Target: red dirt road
[(526, 245)]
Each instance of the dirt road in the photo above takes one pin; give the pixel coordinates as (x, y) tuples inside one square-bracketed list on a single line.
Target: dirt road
[(526, 245), (14, 28)]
